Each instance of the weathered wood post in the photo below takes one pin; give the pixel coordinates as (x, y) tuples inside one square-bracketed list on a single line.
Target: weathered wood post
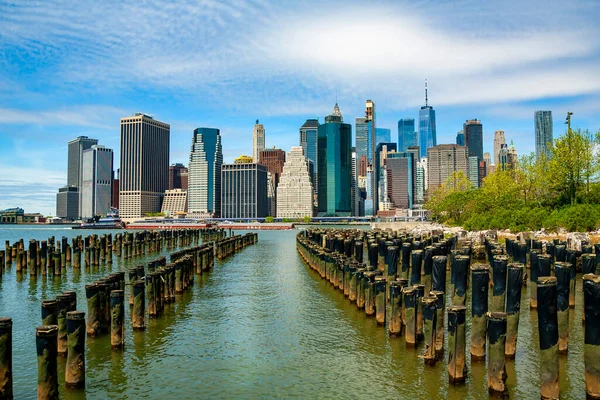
[(438, 273), (591, 347), (479, 307), (6, 378), (457, 368), (460, 274), (513, 307), (369, 278), (138, 313), (75, 367), (440, 322), (416, 267), (117, 315), (429, 305), (45, 343), (94, 309), (563, 283), (49, 312), (393, 254), (409, 315), (496, 333), (548, 333), (406, 250), (65, 302), (395, 325), (380, 303), (499, 272), (571, 258), (419, 294), (428, 267)]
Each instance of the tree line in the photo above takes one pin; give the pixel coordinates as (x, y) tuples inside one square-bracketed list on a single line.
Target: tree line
[(559, 191)]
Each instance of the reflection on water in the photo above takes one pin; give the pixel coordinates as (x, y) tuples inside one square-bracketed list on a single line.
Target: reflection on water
[(260, 325)]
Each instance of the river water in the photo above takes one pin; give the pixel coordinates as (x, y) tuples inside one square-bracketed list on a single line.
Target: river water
[(260, 325)]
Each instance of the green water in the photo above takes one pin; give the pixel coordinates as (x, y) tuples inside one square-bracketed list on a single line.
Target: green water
[(260, 325)]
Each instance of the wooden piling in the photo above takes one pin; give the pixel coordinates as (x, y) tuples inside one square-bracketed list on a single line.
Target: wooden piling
[(513, 306), (6, 375), (457, 368), (496, 333), (591, 347), (117, 316), (46, 342), (548, 334), (75, 367), (479, 308)]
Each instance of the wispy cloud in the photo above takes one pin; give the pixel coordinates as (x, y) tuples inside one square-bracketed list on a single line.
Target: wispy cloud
[(102, 117)]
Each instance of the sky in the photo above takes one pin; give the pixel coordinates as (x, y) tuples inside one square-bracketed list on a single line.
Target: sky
[(71, 68)]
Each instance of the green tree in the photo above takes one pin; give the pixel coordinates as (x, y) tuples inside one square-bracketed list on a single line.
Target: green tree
[(269, 219)]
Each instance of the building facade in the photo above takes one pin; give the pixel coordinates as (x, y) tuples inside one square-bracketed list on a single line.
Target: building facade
[(400, 179), (178, 176), (407, 135), (443, 160), (144, 165), (273, 159), (244, 191), (382, 135), (295, 190), (76, 148), (427, 129), (544, 136), (474, 138), (499, 140), (473, 171), (381, 152), (96, 188), (460, 138), (258, 140), (334, 166), (67, 203), (363, 138), (308, 139), (175, 202), (204, 174)]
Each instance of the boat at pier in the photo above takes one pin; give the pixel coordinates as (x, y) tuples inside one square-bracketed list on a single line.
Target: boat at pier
[(102, 223)]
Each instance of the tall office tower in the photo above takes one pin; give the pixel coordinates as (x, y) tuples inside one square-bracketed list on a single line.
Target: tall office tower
[(460, 138), (354, 185), (244, 191), (273, 159), (96, 186), (258, 141), (420, 183), (487, 158), (474, 171), (144, 165), (423, 164), (512, 156), (427, 131), (443, 160), (295, 190), (362, 167), (204, 174), (400, 179), (406, 134), (308, 141), (381, 152), (271, 193), (499, 140), (543, 133), (74, 174), (334, 166), (67, 203), (415, 150), (474, 138), (370, 117), (363, 139), (178, 173), (383, 135)]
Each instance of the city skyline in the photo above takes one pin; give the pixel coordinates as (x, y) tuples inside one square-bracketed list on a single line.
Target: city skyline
[(56, 86)]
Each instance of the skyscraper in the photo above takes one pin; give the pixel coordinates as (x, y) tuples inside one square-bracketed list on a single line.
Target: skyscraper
[(363, 138), (144, 165), (499, 140), (74, 174), (382, 135), (204, 174), (400, 179), (96, 186), (258, 140), (443, 160), (334, 166), (543, 133), (460, 138), (370, 117), (474, 138), (178, 176), (244, 191), (273, 159), (308, 139), (295, 191), (406, 134), (381, 152), (427, 131), (67, 202), (474, 171)]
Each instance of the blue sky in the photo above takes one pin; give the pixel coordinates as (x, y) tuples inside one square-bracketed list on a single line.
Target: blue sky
[(70, 68)]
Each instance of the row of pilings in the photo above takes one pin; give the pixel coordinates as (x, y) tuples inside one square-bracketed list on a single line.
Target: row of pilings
[(400, 280), (52, 256), (152, 288)]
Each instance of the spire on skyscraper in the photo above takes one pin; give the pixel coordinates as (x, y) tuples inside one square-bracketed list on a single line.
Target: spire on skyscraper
[(426, 100), (336, 110)]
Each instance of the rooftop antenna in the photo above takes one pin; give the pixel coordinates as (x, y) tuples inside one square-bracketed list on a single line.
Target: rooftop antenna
[(426, 93), (335, 96)]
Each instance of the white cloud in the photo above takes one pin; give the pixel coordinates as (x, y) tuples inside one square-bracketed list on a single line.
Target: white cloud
[(93, 116)]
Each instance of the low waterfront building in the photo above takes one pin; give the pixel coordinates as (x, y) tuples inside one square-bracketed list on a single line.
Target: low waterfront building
[(175, 202), (12, 215), (295, 190)]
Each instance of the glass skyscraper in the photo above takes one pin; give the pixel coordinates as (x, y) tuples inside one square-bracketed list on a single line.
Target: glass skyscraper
[(460, 138), (334, 167), (363, 138), (204, 173), (473, 130), (382, 135), (427, 134), (406, 134), (381, 152), (543, 133), (308, 139)]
